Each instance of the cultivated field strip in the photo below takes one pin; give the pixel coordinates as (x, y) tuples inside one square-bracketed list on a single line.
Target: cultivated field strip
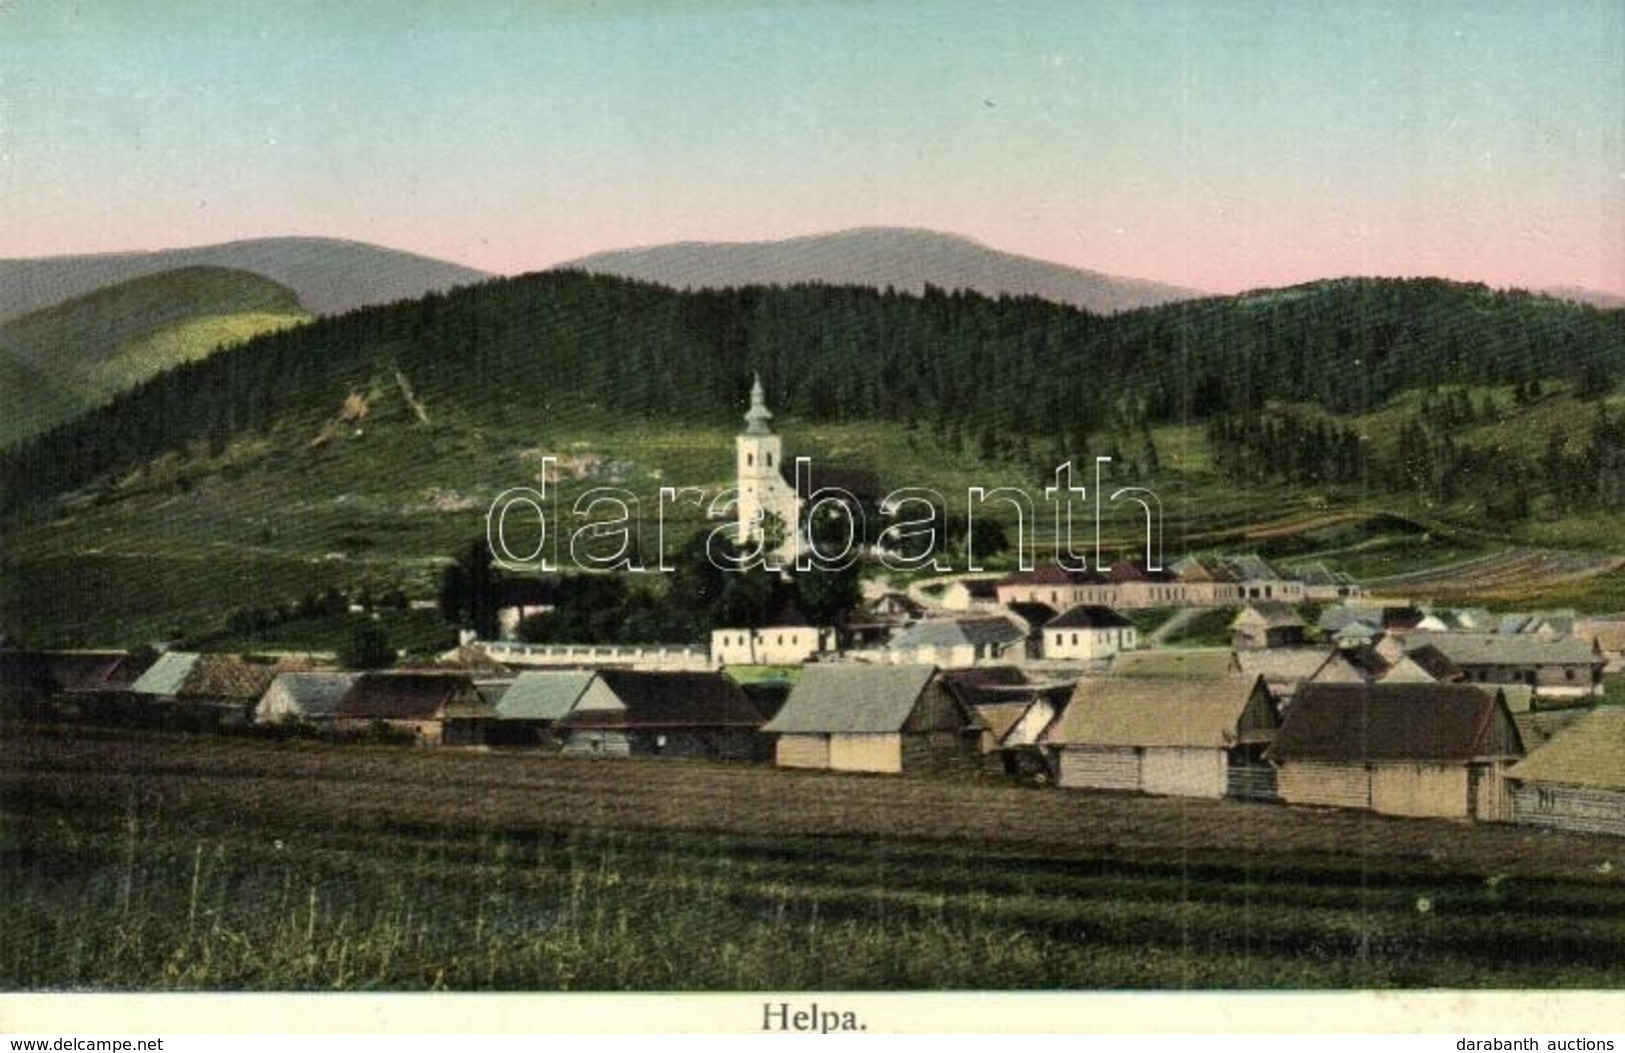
[(152, 861)]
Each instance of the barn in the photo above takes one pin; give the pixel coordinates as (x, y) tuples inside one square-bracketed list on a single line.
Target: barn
[(528, 708), (303, 697), (1438, 750), (638, 713), (873, 718), (436, 708), (1182, 738), (1576, 780), (1011, 713)]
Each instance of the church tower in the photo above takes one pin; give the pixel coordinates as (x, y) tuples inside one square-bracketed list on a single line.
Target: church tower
[(759, 461)]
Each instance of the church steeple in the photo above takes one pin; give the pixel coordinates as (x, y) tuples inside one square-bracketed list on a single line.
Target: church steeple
[(757, 417)]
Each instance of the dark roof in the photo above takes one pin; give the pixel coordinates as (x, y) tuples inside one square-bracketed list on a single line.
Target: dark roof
[(412, 696), (1034, 614), (1090, 616), (981, 684), (1435, 664), (768, 696), (1395, 722), (1401, 618), (666, 700), (859, 482), (852, 699), (981, 588), (1136, 570)]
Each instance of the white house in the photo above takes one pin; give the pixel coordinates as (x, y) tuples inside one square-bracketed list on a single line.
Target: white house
[(1088, 632), (775, 645)]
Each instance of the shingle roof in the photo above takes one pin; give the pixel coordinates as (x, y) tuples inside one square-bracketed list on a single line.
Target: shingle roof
[(1536, 727), (1590, 752), (1200, 714), (543, 695), (316, 694), (167, 674), (1090, 616), (1202, 663), (412, 696), (857, 699), (224, 676), (1466, 649), (1285, 663), (1392, 722), (1053, 574), (668, 700)]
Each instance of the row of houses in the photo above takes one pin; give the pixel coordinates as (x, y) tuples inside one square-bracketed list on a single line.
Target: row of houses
[(1435, 750), (1195, 581)]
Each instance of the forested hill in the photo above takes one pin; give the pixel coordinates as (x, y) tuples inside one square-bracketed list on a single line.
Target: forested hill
[(1022, 366)]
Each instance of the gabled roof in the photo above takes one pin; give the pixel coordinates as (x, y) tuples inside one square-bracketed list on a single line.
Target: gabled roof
[(167, 674), (316, 694), (1201, 663), (1286, 663), (1609, 633), (1466, 649), (668, 700), (1434, 663), (855, 699), (1271, 614), (1395, 722), (1198, 714), (1090, 616), (412, 696), (1357, 632), (1590, 753), (1537, 727), (543, 695), (958, 632), (1339, 615), (1202, 569), (224, 676)]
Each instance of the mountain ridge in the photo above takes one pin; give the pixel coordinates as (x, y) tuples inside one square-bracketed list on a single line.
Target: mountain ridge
[(328, 275), (906, 259)]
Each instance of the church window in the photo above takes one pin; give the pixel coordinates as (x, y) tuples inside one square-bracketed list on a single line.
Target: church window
[(770, 460), (750, 460)]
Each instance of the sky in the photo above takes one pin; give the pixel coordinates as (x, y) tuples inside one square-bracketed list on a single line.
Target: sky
[(1218, 144)]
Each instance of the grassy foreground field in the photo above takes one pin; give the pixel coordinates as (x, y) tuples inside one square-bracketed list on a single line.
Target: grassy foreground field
[(141, 862)]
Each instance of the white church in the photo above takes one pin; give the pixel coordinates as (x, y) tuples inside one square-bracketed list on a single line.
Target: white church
[(767, 484)]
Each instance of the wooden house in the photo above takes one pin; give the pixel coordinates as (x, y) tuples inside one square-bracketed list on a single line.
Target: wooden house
[(1284, 669), (1088, 633), (638, 713), (1568, 667), (528, 709), (1576, 780), (1184, 738), (1436, 750), (1012, 712), (435, 708), (875, 719), (1423, 665), (311, 698), (211, 689), (1266, 623)]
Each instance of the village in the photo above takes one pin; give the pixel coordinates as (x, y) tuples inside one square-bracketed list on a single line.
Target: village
[(1378, 703)]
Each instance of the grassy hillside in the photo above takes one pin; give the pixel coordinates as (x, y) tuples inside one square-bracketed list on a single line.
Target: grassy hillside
[(363, 451), (31, 400), (92, 347)]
